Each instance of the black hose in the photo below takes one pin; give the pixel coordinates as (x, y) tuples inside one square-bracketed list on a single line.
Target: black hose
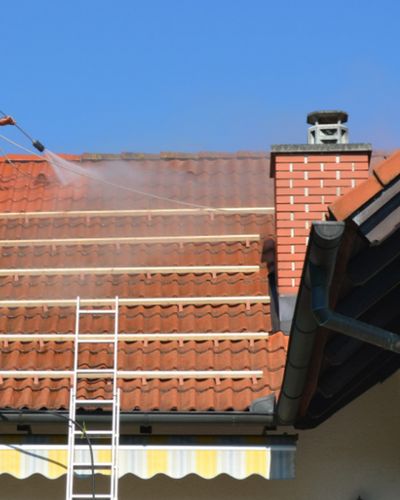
[(35, 143), (82, 429)]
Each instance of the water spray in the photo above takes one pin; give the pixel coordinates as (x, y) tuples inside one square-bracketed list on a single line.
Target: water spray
[(8, 120), (35, 143), (66, 172)]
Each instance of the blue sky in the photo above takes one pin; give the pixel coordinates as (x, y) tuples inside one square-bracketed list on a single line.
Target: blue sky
[(195, 75)]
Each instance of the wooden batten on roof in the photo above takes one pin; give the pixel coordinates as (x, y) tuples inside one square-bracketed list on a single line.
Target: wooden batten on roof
[(144, 301), (148, 270), (134, 337), (132, 240), (134, 374), (164, 212)]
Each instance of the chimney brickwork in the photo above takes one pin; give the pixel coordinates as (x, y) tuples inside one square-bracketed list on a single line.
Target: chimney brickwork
[(308, 178), (305, 185)]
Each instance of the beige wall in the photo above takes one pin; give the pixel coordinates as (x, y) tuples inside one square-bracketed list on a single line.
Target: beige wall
[(357, 452)]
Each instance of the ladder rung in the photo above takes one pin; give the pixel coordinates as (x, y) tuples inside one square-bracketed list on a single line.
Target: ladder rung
[(101, 371), (88, 465), (90, 495), (97, 311), (94, 433), (94, 401), (94, 341)]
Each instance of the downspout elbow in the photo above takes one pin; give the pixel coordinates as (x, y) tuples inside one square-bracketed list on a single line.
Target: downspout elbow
[(323, 316), (340, 323)]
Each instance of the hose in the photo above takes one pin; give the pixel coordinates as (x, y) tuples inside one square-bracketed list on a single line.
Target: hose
[(35, 143)]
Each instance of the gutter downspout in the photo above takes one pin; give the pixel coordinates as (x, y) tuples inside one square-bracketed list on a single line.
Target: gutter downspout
[(312, 311)]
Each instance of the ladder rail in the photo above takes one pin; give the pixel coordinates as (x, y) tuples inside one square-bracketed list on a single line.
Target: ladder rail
[(115, 413), (70, 448), (72, 408), (117, 430), (73, 432)]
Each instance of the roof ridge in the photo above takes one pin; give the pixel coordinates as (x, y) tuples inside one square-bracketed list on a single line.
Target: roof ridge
[(175, 155), (162, 155)]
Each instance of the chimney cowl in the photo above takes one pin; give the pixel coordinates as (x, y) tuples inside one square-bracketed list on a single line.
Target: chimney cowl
[(327, 127), (327, 117)]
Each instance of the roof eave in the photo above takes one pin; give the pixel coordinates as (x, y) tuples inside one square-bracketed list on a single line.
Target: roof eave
[(313, 312)]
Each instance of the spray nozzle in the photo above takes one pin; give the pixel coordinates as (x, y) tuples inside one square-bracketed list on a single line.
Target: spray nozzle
[(38, 145)]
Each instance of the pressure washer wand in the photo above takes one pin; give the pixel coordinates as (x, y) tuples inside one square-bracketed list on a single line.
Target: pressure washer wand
[(35, 143)]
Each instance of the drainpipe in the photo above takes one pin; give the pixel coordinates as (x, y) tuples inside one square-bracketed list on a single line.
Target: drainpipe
[(313, 311)]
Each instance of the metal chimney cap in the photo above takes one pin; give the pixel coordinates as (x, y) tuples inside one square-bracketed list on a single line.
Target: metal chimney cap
[(327, 117)]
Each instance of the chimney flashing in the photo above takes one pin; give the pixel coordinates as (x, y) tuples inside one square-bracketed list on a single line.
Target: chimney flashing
[(321, 148)]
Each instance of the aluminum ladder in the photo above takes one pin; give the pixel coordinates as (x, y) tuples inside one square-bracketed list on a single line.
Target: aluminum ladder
[(79, 457)]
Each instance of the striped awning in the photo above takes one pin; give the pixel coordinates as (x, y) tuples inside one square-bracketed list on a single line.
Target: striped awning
[(145, 461)]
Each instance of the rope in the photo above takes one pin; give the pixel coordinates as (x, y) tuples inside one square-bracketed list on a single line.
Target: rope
[(30, 176), (20, 146)]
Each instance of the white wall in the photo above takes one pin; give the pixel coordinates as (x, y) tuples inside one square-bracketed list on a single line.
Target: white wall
[(356, 452)]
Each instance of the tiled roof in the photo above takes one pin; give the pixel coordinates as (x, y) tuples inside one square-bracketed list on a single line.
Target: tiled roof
[(382, 174), (212, 180)]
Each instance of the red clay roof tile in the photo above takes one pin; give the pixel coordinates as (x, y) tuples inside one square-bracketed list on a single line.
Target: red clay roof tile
[(389, 169), (354, 199), (383, 173), (216, 180)]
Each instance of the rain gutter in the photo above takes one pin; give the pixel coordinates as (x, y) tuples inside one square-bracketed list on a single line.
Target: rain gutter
[(143, 418), (313, 311)]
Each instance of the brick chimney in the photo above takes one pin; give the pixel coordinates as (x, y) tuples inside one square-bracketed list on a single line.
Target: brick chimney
[(308, 178)]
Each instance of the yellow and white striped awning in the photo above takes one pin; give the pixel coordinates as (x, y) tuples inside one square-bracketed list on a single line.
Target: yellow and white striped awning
[(145, 461)]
